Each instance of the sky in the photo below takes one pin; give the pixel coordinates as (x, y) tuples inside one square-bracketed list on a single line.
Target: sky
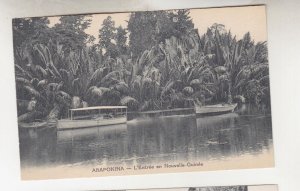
[(239, 20)]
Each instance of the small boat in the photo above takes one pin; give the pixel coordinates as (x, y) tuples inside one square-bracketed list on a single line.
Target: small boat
[(217, 109), (93, 117), (32, 125), (31, 129)]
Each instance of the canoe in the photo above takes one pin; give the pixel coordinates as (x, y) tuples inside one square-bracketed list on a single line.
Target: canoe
[(215, 109)]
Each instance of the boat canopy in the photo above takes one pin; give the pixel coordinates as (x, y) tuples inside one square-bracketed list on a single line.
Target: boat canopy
[(99, 108)]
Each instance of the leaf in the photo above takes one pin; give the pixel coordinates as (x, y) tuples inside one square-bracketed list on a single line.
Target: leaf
[(24, 72), (167, 88), (29, 117), (54, 87), (143, 59), (32, 91), (41, 70), (130, 102), (23, 81), (220, 69), (122, 87), (111, 97), (97, 76), (42, 84), (111, 78), (46, 56), (188, 90), (94, 91), (63, 98)]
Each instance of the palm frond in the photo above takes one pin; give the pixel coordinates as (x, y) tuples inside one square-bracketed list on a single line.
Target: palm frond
[(32, 91), (130, 102), (24, 72), (63, 98), (46, 57), (41, 70), (23, 81), (96, 76)]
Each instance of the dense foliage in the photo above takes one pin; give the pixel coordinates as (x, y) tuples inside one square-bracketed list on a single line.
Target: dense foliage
[(158, 62)]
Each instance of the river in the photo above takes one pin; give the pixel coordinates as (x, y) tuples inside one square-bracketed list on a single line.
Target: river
[(248, 131)]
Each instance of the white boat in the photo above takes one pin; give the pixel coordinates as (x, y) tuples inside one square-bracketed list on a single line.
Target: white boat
[(93, 116), (214, 109)]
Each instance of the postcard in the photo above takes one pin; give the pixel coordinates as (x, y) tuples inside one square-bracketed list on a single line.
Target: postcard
[(221, 188), (143, 92)]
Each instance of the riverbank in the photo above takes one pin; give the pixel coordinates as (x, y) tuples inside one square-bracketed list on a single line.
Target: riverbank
[(160, 113)]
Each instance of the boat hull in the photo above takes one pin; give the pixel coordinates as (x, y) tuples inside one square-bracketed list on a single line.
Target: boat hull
[(33, 125), (215, 109), (64, 124)]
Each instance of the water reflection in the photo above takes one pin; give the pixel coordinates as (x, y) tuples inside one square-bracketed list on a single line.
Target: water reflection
[(247, 131)]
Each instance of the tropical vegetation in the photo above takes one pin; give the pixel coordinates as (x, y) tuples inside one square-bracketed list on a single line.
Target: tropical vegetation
[(158, 62)]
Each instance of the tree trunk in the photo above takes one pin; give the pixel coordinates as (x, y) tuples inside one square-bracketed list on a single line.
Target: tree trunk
[(229, 95)]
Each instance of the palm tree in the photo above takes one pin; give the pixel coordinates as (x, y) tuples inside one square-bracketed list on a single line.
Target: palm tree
[(236, 64), (187, 70), (57, 71), (37, 77)]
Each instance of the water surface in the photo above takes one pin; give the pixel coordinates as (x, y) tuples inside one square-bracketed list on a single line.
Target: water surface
[(152, 140)]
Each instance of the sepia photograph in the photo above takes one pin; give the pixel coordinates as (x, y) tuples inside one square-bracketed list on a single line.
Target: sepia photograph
[(129, 93), (220, 188)]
